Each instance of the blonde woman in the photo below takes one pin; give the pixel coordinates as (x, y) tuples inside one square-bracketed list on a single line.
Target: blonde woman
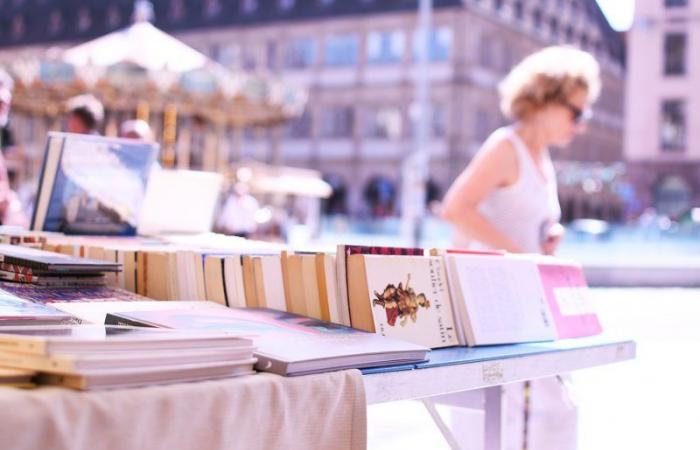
[(506, 198)]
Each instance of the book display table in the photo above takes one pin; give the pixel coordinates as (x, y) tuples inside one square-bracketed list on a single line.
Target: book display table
[(270, 412), (472, 377)]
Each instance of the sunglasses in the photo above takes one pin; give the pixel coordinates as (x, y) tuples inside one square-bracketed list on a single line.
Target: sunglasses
[(580, 115)]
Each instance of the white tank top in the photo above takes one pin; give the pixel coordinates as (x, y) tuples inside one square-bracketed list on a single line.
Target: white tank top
[(523, 210)]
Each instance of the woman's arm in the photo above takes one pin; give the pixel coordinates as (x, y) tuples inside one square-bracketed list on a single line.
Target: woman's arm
[(494, 166)]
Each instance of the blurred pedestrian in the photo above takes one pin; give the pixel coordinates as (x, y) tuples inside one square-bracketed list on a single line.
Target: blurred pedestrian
[(84, 115), (6, 86), (136, 129), (506, 198), (238, 216), (11, 212)]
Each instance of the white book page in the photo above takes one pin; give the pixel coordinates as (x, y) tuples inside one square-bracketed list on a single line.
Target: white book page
[(428, 323), (504, 299)]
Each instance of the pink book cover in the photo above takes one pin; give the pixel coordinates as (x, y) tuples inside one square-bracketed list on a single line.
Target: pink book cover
[(569, 299)]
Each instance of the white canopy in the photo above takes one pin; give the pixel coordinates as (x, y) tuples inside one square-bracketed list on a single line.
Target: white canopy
[(141, 44)]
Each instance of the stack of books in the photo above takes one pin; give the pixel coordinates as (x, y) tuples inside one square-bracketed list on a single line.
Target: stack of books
[(38, 267), (100, 357)]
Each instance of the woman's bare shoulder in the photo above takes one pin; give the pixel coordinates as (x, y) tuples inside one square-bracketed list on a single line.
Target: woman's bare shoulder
[(498, 145)]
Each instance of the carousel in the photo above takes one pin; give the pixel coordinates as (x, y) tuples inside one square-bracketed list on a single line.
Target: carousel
[(197, 109)]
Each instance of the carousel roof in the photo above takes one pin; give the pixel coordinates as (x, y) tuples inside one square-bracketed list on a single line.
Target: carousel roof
[(144, 64), (141, 44)]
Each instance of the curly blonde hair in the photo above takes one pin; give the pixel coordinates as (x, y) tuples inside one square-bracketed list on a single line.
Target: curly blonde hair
[(548, 76)]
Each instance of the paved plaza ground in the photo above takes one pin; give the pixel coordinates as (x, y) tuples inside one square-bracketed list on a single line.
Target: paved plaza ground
[(650, 403)]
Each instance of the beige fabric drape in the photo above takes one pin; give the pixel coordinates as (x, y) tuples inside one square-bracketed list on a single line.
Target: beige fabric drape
[(263, 411)]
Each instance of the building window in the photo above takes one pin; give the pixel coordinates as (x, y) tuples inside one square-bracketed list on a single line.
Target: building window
[(299, 53), (537, 19), (439, 44), (438, 122), (211, 8), (177, 10), (554, 27), (285, 5), (84, 19), (17, 28), (675, 3), (341, 50), (229, 55), (497, 5), (249, 6), (299, 128), (55, 22), (674, 53), (337, 122), (114, 17), (384, 123), (518, 10), (271, 51), (482, 124), (385, 46), (672, 127)]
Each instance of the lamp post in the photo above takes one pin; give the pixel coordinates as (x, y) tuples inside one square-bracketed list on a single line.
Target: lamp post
[(415, 167)]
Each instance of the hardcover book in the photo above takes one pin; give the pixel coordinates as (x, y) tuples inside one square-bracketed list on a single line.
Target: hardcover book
[(92, 184), (499, 300), (32, 260), (403, 297), (286, 343)]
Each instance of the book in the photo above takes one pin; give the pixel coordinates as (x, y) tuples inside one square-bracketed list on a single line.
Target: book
[(77, 339), (95, 312), (50, 294), (498, 300), (31, 260), (287, 343), (148, 376), (53, 280), (168, 191), (567, 293), (403, 297), (92, 184), (21, 378), (83, 363), (17, 311), (343, 251)]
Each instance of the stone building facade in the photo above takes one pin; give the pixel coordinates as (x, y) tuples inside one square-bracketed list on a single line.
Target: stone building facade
[(662, 145)]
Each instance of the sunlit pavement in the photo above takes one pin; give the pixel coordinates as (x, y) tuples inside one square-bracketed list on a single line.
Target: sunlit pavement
[(649, 403)]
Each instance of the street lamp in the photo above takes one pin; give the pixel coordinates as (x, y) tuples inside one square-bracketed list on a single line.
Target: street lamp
[(415, 167)]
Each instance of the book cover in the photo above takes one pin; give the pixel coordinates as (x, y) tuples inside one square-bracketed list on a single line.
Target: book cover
[(500, 299), (92, 184), (17, 311), (287, 343), (343, 251), (404, 297), (49, 294), (569, 299)]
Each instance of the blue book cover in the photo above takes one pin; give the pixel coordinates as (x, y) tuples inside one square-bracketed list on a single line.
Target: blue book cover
[(92, 185)]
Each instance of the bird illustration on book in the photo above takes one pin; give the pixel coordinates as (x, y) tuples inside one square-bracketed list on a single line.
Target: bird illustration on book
[(400, 302)]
